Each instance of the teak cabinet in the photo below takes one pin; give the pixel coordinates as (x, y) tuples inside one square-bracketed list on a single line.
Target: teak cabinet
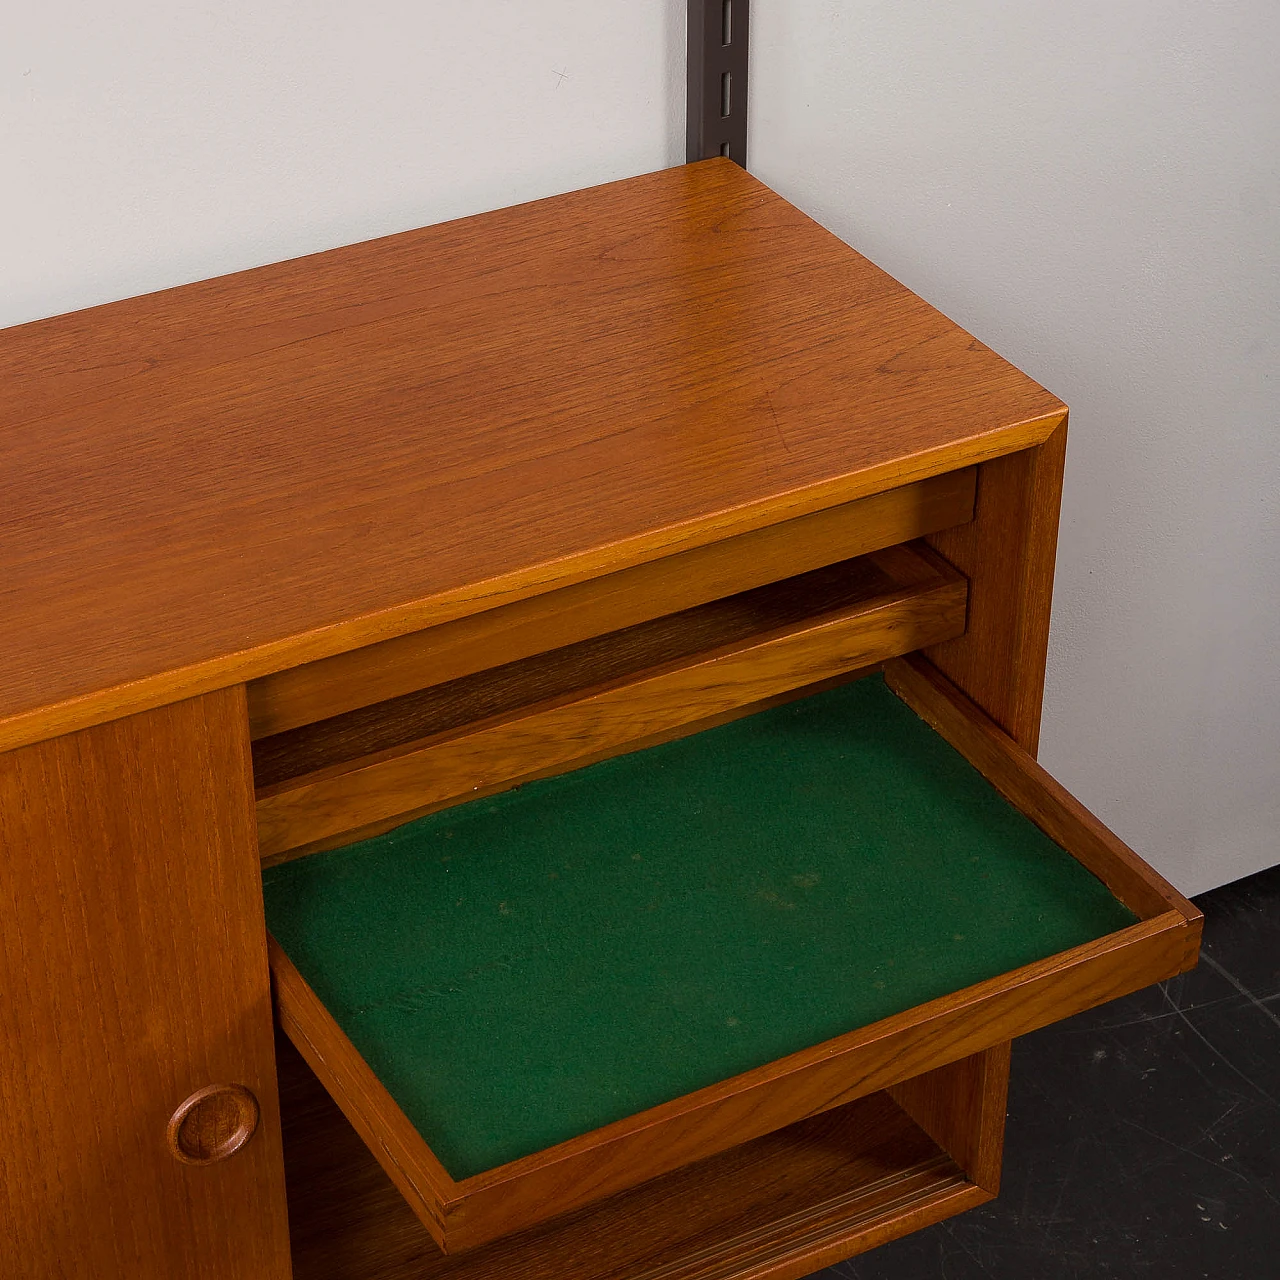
[(613, 629)]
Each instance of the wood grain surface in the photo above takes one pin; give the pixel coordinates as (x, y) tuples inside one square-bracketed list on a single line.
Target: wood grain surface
[(206, 485), (500, 637), (134, 973), (780, 1207), (907, 602), (962, 1108), (1007, 552)]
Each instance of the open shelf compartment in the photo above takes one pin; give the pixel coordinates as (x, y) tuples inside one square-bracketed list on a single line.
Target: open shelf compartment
[(592, 981)]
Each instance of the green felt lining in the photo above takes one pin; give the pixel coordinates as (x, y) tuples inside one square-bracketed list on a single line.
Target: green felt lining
[(523, 969)]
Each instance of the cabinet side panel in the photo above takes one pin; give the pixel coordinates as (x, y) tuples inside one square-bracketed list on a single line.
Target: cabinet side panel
[(1007, 552), (133, 970), (962, 1108)]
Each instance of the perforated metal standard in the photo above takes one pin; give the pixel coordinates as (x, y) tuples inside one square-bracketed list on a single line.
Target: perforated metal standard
[(717, 101)]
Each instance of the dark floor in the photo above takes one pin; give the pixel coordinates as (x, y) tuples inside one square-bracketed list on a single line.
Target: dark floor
[(1143, 1137)]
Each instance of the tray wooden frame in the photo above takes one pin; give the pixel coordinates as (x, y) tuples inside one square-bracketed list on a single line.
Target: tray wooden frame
[(463, 1214)]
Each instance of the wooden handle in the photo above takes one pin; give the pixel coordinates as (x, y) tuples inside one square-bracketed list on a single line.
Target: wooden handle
[(212, 1124)]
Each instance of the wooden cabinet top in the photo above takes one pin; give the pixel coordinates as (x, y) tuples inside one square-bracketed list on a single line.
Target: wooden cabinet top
[(208, 484)]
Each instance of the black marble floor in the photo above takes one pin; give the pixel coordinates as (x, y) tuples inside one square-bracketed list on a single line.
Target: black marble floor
[(1143, 1137)]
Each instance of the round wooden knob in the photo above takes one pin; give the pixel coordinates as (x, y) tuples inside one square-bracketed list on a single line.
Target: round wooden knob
[(212, 1124)]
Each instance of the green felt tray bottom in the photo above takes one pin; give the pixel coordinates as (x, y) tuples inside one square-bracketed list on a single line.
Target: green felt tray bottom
[(524, 969)]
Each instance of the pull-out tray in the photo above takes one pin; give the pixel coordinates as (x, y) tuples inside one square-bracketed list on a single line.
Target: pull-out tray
[(536, 1000)]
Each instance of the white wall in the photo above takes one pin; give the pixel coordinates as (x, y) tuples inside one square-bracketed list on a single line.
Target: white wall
[(1093, 188), (146, 143)]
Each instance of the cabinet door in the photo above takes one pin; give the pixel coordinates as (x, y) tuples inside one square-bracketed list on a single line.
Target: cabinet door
[(133, 974)]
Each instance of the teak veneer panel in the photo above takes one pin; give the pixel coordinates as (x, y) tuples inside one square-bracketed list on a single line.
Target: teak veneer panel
[(230, 478), (962, 1108), (1008, 552), (781, 1207), (498, 637), (919, 599), (133, 972)]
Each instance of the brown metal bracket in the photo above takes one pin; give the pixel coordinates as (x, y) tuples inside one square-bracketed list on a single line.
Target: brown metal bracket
[(717, 100)]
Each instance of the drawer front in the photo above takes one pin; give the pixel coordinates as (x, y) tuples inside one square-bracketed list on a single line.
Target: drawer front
[(137, 1075)]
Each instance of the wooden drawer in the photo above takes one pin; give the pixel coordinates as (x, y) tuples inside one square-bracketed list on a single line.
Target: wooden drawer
[(500, 637), (533, 1002), (374, 767)]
